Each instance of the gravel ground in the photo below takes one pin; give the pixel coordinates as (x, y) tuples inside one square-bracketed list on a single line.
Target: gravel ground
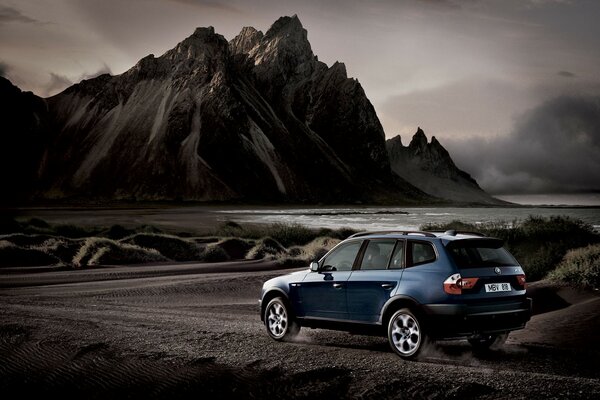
[(193, 330)]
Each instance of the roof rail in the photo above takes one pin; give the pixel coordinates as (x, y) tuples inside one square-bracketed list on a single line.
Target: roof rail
[(453, 232), (366, 233)]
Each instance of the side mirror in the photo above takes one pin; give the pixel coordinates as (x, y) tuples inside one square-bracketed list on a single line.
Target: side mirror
[(314, 266)]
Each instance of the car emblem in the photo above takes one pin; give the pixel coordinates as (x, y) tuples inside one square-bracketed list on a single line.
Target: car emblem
[(497, 270)]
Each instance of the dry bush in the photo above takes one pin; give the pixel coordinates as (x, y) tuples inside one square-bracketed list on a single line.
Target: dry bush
[(102, 251), (170, 246), (579, 267), (266, 248)]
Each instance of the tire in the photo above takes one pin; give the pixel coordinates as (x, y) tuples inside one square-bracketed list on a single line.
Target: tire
[(279, 320), (406, 334), (488, 342)]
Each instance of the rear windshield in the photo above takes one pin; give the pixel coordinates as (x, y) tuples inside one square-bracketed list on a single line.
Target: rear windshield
[(481, 256)]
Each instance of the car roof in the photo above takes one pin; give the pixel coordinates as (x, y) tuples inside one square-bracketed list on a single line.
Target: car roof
[(449, 235)]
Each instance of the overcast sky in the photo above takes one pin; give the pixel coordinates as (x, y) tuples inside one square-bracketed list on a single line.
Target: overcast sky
[(510, 87)]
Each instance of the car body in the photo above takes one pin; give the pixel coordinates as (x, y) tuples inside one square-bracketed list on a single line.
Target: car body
[(409, 286)]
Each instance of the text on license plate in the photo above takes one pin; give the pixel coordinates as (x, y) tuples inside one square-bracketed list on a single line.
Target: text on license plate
[(497, 287)]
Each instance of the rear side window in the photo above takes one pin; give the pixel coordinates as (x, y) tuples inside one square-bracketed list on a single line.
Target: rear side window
[(398, 256), (342, 258), (481, 256), (421, 253), (377, 254)]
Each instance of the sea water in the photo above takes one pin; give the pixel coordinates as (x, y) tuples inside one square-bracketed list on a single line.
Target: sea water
[(403, 218)]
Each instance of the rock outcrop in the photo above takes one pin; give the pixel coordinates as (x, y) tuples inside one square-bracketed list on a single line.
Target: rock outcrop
[(258, 118), (23, 138), (429, 167)]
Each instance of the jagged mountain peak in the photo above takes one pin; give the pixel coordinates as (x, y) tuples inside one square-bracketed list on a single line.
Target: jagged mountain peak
[(290, 26), (202, 32), (245, 41), (284, 48), (429, 167), (203, 44), (419, 140)]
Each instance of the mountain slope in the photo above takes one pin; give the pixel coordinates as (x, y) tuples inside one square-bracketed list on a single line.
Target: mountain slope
[(23, 136), (258, 118), (429, 167)]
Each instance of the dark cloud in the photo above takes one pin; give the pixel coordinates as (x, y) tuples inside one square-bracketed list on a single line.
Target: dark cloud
[(554, 148), (446, 4), (566, 74), (57, 84), (9, 14), (208, 4)]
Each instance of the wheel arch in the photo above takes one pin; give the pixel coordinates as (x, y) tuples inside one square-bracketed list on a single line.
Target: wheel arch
[(269, 295), (396, 303)]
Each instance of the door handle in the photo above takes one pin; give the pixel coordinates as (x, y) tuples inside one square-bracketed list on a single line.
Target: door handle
[(387, 286), (337, 285)]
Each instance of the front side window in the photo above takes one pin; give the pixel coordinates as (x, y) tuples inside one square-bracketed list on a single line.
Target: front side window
[(342, 258), (421, 253), (377, 254)]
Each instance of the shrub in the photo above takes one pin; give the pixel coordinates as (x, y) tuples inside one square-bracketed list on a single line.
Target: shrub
[(23, 240), (214, 253), (98, 251), (302, 255), (579, 267), (235, 248), (62, 248), (266, 248), (12, 255), (169, 246), (286, 234)]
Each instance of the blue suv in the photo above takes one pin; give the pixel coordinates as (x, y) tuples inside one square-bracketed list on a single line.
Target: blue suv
[(409, 286)]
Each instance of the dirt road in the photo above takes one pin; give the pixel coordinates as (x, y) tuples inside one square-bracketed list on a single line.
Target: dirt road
[(193, 330)]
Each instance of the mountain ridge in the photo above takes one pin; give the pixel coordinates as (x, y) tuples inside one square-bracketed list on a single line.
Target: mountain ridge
[(255, 119), (428, 166)]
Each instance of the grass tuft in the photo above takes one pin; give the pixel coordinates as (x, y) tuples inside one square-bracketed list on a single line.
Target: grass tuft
[(103, 251), (579, 267), (12, 255), (266, 248), (214, 253), (170, 246)]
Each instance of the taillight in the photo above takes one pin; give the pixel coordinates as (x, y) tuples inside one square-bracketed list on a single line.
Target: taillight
[(522, 281), (455, 284)]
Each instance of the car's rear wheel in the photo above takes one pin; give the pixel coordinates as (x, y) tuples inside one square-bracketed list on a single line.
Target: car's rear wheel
[(487, 342), (279, 320), (406, 334)]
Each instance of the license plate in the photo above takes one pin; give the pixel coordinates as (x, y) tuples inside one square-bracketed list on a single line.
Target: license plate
[(497, 287)]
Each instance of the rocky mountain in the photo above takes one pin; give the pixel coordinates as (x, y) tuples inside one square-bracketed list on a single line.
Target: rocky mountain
[(429, 167), (23, 138), (257, 118)]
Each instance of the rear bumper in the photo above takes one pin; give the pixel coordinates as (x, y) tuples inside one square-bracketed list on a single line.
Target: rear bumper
[(459, 320)]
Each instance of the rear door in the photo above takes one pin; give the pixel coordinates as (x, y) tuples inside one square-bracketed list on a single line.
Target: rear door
[(370, 285)]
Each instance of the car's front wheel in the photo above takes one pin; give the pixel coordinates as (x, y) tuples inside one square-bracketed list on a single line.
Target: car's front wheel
[(406, 334), (279, 320), (488, 342)]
